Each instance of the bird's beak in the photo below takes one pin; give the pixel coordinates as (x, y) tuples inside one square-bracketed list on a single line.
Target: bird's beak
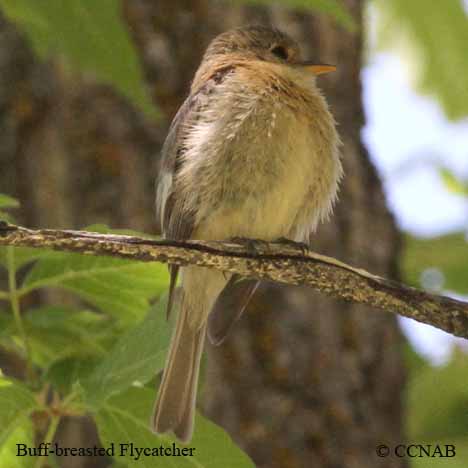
[(317, 69)]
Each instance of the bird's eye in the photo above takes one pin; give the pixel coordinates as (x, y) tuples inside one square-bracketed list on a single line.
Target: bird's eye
[(280, 52)]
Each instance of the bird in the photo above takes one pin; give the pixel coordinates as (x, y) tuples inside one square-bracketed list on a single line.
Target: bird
[(253, 152)]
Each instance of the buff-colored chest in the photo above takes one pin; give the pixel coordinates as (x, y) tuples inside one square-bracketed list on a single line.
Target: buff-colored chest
[(261, 165)]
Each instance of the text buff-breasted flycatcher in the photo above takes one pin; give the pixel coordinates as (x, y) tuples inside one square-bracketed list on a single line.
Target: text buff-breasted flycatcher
[(252, 152)]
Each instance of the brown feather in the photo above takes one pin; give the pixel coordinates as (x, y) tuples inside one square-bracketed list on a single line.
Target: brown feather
[(229, 307), (173, 272)]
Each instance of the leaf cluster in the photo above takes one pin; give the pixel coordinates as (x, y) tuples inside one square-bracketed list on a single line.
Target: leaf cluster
[(95, 352), (83, 33), (447, 254), (437, 33), (437, 406), (437, 396)]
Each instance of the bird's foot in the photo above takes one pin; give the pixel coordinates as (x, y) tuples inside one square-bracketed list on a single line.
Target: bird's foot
[(298, 245), (251, 245)]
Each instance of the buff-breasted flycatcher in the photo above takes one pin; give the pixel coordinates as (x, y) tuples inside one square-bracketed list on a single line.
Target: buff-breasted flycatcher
[(252, 152)]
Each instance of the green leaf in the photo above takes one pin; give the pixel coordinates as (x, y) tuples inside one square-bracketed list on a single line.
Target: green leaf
[(436, 33), (16, 404), (22, 256), (67, 373), (453, 183), (447, 253), (8, 202), (119, 287), (136, 357), (90, 35), (438, 402), (57, 332), (22, 434), (124, 419)]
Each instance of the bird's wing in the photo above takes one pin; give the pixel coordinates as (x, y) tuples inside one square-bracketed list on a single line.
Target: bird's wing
[(176, 219), (166, 197), (171, 157), (229, 306)]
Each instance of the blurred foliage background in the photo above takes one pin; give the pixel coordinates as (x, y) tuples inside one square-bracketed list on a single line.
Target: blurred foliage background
[(68, 342), (430, 39)]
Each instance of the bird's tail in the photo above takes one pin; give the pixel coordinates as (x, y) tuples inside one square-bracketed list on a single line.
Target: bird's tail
[(175, 405)]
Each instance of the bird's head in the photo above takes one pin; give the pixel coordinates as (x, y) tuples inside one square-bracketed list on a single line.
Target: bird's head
[(262, 43)]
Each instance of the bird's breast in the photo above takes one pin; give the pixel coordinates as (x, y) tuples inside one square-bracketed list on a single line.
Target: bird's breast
[(253, 163), (258, 172)]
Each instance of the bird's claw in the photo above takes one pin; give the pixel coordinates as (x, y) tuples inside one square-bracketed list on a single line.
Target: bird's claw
[(298, 245), (251, 245)]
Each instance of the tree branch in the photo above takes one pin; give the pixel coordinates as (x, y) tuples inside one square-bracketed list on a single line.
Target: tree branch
[(282, 262)]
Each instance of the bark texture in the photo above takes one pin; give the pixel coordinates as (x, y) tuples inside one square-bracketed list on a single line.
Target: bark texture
[(294, 388)]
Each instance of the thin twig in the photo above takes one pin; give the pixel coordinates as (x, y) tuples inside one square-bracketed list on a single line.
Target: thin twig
[(284, 263)]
